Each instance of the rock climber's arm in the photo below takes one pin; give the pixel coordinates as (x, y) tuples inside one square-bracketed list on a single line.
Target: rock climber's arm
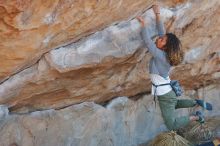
[(151, 45), (146, 35), (159, 23)]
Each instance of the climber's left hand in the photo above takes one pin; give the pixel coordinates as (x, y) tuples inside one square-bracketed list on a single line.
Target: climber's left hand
[(141, 20)]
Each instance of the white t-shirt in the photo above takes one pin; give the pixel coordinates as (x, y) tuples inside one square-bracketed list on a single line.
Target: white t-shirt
[(157, 80)]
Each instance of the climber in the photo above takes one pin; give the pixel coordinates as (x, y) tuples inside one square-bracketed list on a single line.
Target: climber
[(166, 52)]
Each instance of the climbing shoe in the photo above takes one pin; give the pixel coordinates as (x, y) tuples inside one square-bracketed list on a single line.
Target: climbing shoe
[(201, 117), (205, 105)]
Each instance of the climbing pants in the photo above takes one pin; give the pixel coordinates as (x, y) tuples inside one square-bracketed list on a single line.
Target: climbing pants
[(168, 103)]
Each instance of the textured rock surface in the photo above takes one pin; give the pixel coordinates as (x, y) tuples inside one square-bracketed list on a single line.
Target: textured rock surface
[(97, 57), (31, 28), (199, 31), (112, 62), (122, 122)]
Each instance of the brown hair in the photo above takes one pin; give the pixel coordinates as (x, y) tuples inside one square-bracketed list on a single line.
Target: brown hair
[(173, 49)]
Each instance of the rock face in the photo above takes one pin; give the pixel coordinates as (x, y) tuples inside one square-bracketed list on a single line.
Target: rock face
[(57, 53), (122, 122), (109, 63), (31, 28)]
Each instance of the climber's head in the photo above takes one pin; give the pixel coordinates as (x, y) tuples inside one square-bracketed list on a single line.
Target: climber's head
[(161, 42), (172, 46)]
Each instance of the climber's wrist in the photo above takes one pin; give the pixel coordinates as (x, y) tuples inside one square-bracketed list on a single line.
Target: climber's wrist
[(157, 14)]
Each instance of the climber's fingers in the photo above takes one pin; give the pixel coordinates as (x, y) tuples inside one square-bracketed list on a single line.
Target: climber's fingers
[(156, 8), (155, 3), (141, 20)]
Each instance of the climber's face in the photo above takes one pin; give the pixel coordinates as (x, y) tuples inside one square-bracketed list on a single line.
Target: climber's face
[(161, 42)]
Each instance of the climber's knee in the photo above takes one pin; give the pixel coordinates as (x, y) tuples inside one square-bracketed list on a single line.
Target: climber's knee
[(170, 123)]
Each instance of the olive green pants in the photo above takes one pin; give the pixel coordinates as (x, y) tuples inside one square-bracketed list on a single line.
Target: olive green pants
[(168, 103)]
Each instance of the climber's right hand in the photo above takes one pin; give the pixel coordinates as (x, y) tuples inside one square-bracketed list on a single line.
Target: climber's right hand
[(141, 20), (156, 9)]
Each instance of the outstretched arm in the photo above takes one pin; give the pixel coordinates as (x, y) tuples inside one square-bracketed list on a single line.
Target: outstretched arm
[(159, 23), (149, 43)]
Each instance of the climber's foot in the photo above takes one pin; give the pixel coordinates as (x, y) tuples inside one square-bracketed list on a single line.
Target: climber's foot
[(201, 117), (202, 103)]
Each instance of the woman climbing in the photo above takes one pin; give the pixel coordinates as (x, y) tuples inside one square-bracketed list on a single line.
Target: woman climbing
[(166, 52)]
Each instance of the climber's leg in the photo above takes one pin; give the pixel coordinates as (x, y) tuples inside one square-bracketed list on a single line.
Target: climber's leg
[(185, 103), (168, 104)]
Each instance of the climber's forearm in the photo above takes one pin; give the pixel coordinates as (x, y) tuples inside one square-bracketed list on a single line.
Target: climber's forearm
[(157, 53), (160, 25), (157, 15)]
